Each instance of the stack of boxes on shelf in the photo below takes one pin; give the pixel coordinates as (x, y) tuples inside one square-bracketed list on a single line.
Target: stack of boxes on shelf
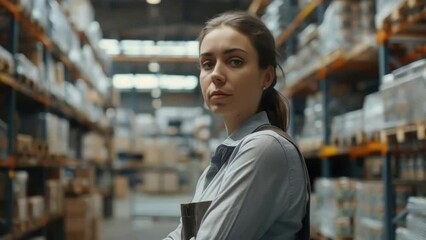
[(311, 136), (369, 210), (159, 156), (32, 67), (57, 132), (399, 102), (342, 98), (30, 211), (387, 16), (403, 94), (94, 148), (370, 207), (345, 25), (6, 61), (415, 222), (274, 18), (83, 217), (345, 208), (162, 156), (412, 167), (335, 207)]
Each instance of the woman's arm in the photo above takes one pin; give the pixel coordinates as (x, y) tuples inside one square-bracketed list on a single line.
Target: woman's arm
[(255, 192)]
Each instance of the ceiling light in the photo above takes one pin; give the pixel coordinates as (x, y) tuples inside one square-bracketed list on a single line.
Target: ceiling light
[(154, 67), (153, 1), (156, 103), (156, 93)]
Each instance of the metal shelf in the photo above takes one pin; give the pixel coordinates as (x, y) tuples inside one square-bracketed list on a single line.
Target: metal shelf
[(257, 7), (47, 99), (178, 59), (51, 46), (297, 22), (34, 226), (406, 29), (359, 60)]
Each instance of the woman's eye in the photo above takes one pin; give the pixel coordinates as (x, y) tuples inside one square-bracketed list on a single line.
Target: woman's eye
[(206, 65), (236, 62)]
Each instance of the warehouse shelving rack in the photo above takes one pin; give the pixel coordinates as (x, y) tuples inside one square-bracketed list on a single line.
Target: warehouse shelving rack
[(383, 143), (50, 226)]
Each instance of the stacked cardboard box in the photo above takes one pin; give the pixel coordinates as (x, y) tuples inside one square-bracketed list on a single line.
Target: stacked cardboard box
[(54, 197), (335, 206), (121, 187), (161, 181), (83, 217)]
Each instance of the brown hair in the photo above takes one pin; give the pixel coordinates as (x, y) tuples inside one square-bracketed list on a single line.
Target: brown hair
[(272, 101)]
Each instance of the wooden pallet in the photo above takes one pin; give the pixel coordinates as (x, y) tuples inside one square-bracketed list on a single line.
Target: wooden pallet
[(311, 145), (371, 137), (40, 149), (58, 159), (348, 141), (19, 228), (24, 145), (5, 66), (406, 10), (410, 132), (317, 235), (27, 82)]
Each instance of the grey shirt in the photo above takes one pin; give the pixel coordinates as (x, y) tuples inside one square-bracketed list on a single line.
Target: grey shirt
[(258, 193)]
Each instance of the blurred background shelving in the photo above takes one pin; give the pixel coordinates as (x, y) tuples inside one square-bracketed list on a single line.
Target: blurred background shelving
[(103, 132)]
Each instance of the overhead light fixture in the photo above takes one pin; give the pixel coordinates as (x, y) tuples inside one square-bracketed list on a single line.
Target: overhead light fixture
[(156, 93), (154, 67), (156, 103), (153, 1)]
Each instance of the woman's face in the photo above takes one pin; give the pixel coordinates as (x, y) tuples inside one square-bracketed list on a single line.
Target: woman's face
[(230, 77)]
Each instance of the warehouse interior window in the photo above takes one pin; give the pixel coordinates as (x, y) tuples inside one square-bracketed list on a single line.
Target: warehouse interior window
[(154, 81), (150, 48)]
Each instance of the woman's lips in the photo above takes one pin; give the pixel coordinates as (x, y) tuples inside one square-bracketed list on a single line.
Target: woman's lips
[(219, 95)]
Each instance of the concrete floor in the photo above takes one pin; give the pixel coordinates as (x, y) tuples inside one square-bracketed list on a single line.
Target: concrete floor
[(144, 217)]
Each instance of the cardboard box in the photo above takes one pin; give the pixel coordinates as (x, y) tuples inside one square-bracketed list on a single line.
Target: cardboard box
[(77, 235), (97, 228), (152, 181), (77, 208), (20, 213), (36, 207), (54, 197), (86, 173), (170, 181), (121, 187), (77, 224)]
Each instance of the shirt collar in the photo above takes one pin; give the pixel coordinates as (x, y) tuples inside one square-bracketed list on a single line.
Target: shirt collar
[(260, 118)]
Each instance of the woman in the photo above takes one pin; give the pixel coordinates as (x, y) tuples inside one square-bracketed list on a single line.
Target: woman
[(257, 180)]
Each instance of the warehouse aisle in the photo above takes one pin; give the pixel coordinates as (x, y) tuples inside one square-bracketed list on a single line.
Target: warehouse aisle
[(143, 217)]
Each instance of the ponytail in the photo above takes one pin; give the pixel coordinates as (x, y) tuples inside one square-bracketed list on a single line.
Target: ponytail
[(276, 107)]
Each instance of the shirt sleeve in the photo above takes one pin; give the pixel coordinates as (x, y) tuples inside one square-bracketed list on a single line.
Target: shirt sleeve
[(254, 193)]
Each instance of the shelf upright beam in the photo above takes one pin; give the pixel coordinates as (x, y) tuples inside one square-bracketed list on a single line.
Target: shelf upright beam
[(387, 171), (11, 107), (383, 60), (324, 85), (325, 163), (389, 204)]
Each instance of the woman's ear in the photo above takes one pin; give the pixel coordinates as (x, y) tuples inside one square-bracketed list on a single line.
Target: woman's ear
[(268, 77)]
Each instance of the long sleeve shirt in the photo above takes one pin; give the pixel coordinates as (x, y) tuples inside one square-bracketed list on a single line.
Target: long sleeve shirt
[(258, 192)]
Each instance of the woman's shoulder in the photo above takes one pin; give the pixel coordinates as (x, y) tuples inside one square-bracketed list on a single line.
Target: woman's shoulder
[(268, 138), (267, 145)]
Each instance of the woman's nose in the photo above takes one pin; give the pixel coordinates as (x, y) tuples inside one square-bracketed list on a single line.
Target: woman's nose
[(218, 76)]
